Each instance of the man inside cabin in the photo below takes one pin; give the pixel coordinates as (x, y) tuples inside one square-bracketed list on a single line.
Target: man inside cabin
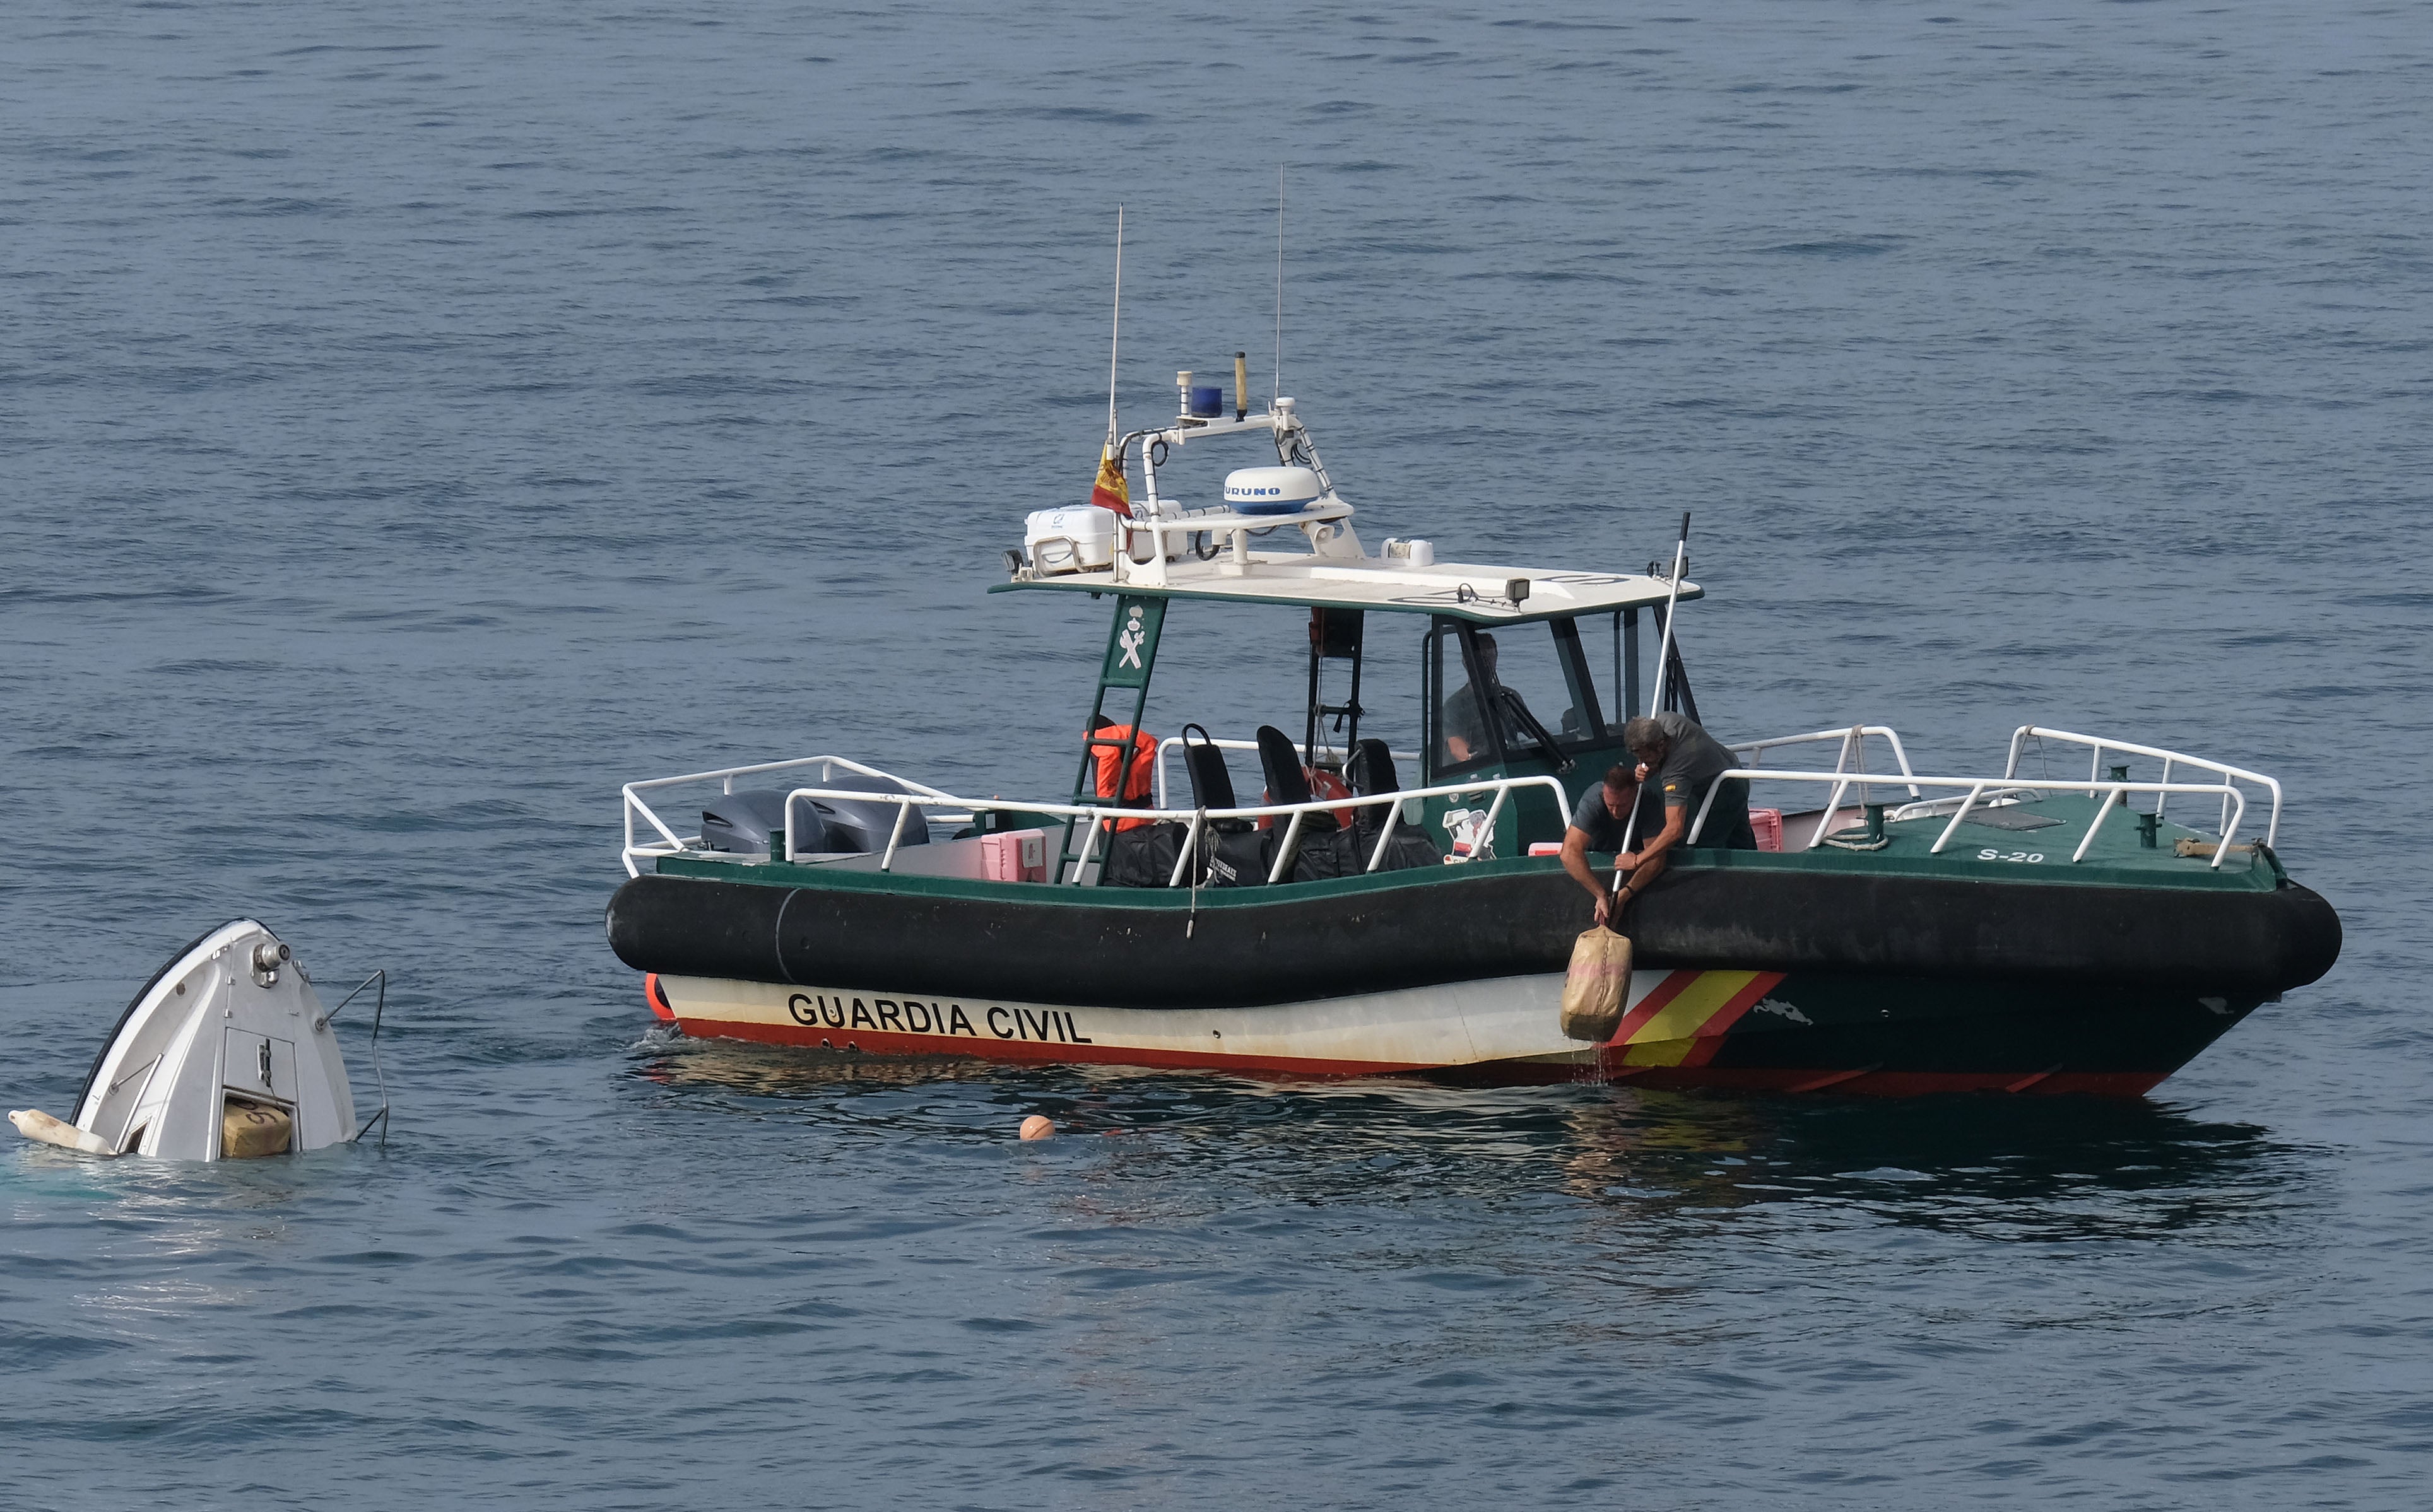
[(1683, 763), (1466, 712), (1601, 822), (1124, 766)]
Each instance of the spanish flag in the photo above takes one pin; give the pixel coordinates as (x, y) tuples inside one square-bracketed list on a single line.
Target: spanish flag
[(1110, 492)]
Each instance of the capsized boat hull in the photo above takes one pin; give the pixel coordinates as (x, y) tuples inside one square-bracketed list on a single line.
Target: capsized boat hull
[(1685, 1028)]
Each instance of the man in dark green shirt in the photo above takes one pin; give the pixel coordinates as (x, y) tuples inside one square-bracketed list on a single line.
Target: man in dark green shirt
[(1683, 763)]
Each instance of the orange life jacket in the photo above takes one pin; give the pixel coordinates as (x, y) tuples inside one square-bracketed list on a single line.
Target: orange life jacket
[(1139, 780)]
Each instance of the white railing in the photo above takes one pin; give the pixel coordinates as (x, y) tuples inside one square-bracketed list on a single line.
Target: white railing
[(920, 797), (1851, 756), (671, 843), (1168, 746), (1851, 739), (1100, 817), (1979, 789), (2229, 774)]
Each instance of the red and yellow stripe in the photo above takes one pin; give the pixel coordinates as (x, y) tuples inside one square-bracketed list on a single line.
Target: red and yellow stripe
[(1683, 1020)]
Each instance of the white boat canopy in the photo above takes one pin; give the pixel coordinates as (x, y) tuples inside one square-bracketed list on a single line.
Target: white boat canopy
[(1165, 548), (1461, 590)]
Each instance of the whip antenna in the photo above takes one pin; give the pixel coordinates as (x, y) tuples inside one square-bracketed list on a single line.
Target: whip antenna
[(1280, 288), (1114, 339)]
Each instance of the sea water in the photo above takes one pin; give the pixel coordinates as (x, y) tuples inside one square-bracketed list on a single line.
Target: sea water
[(419, 420)]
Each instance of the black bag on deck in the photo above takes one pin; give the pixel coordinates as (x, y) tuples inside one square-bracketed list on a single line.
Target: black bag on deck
[(1143, 856), (1235, 859), (1336, 853), (1409, 848), (1345, 853)]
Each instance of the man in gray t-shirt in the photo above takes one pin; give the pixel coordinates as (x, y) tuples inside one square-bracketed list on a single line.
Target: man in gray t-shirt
[(1599, 822), (1603, 813)]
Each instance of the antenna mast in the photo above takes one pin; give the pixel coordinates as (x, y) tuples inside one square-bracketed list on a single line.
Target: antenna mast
[(1114, 339)]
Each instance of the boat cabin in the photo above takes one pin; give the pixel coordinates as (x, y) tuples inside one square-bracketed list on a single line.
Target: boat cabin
[(1527, 672)]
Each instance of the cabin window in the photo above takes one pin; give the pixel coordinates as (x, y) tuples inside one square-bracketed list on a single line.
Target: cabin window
[(1538, 691), (1613, 661)]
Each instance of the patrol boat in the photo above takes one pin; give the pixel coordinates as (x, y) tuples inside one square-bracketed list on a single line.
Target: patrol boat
[(1898, 932)]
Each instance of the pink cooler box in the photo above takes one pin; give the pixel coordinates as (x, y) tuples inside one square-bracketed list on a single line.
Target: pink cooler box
[(1016, 856), (1768, 825)]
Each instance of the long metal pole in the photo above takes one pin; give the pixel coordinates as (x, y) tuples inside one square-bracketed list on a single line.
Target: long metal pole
[(1656, 694), (1672, 601)]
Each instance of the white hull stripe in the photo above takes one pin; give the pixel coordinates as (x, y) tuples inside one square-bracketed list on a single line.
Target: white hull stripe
[(1410, 1029)]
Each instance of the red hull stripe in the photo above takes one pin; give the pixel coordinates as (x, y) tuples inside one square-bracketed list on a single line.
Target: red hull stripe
[(882, 1043), (1711, 1033), (1901, 1084), (1822, 1080), (1866, 1083)]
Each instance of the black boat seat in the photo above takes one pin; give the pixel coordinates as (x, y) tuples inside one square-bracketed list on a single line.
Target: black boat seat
[(1372, 769), (1372, 772), (1212, 785), (1280, 760)]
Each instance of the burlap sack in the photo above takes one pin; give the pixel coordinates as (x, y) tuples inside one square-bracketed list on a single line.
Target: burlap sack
[(1597, 985), (249, 1129)]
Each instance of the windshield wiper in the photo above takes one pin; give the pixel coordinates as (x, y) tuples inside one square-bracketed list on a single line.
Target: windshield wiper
[(1531, 726)]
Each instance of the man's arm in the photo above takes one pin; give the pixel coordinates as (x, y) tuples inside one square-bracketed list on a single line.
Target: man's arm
[(1676, 822), (1576, 860)]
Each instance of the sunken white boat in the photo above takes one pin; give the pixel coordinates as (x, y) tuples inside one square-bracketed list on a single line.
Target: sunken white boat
[(226, 1052)]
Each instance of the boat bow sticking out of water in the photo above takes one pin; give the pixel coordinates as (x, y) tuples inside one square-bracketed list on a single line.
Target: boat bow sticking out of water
[(227, 1053), (2017, 931)]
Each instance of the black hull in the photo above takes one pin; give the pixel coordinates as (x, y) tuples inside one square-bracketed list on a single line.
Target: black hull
[(1077, 947)]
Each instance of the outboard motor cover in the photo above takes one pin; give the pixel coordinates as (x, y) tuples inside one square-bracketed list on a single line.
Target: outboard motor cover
[(864, 827), (742, 822)]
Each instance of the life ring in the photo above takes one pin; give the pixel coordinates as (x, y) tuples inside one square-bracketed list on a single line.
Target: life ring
[(1322, 784)]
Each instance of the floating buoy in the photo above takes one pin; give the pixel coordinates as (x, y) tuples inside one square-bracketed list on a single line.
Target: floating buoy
[(35, 1124), (1039, 1126)]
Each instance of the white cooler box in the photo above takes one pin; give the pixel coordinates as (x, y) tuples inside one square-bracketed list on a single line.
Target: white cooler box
[(1083, 539), (1079, 539)]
